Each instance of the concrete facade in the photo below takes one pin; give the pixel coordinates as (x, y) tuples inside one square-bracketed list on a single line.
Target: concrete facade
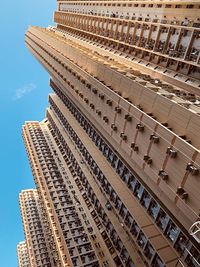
[(34, 229), (118, 152), (22, 253)]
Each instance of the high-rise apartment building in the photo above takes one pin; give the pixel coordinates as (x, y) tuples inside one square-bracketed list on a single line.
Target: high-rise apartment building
[(22, 253), (116, 161), (34, 229)]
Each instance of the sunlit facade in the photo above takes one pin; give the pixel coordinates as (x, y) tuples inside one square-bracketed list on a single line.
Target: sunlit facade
[(22, 253), (116, 160), (35, 230)]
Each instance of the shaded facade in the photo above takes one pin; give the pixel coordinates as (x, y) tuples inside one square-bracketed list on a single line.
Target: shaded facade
[(117, 155), (22, 253), (34, 229)]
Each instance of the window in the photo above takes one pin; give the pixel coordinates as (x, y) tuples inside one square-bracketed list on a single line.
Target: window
[(118, 204), (119, 244), (157, 262), (138, 190), (132, 183), (123, 211), (120, 168), (124, 255), (115, 161), (162, 220), (180, 243), (189, 6), (134, 229), (149, 251), (153, 209), (113, 196), (193, 258), (145, 200), (114, 236), (141, 240), (110, 156), (172, 231), (128, 220), (125, 175)]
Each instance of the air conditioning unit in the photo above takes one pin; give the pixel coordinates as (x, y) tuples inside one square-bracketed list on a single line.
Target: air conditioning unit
[(132, 145), (83, 81), (92, 106), (94, 90), (163, 175), (154, 138), (149, 161), (78, 76), (180, 191), (189, 166), (109, 102), (88, 85), (105, 119), (86, 100), (114, 127), (127, 98), (192, 169), (128, 117), (101, 96), (146, 157), (184, 195), (171, 152), (118, 109), (123, 136), (140, 127)]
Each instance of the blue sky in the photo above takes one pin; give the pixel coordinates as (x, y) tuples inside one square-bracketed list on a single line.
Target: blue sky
[(23, 96)]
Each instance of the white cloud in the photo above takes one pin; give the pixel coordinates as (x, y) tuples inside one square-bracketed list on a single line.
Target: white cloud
[(20, 92)]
